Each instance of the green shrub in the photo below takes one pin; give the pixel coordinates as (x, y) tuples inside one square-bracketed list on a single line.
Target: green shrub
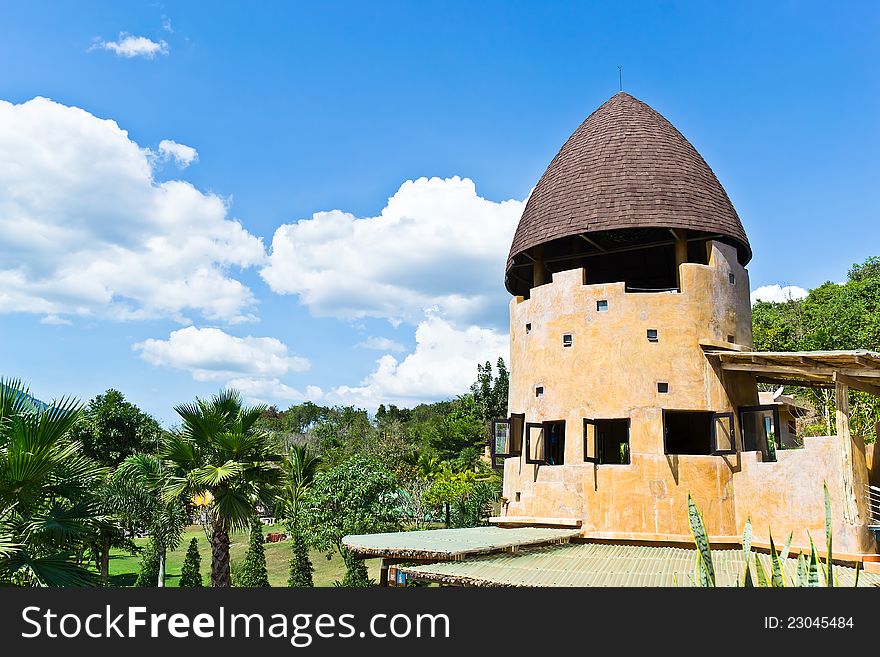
[(190, 574), (356, 573), (149, 573), (253, 571), (301, 569)]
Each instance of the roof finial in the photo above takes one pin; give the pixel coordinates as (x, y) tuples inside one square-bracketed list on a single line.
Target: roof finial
[(620, 78)]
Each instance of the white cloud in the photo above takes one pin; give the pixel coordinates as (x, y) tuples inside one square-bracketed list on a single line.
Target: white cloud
[(777, 293), (166, 25), (210, 354), (435, 244), (269, 391), (381, 344), (86, 230), (443, 365), (55, 320), (182, 154), (129, 45)]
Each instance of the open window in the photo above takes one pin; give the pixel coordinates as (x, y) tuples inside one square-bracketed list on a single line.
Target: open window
[(687, 432), (606, 442), (698, 432), (545, 443), (723, 441), (507, 438), (760, 429)]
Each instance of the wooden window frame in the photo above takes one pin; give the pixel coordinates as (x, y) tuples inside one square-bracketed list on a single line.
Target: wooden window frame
[(715, 450), (510, 440), (527, 442)]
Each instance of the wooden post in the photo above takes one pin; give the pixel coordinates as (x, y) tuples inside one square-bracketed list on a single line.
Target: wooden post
[(681, 252), (539, 269), (847, 463), (383, 573)]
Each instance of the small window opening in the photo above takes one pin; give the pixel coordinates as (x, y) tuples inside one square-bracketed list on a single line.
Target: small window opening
[(732, 278), (606, 442), (539, 391), (688, 432), (528, 328), (662, 387), (567, 340), (731, 339), (602, 306), (653, 336), (517, 496)]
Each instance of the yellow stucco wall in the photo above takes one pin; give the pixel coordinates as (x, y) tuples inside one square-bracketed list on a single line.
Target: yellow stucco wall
[(611, 371)]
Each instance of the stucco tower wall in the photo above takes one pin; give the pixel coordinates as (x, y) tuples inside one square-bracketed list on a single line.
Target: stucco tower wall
[(612, 371)]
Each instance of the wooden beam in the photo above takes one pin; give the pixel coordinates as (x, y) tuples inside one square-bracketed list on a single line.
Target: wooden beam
[(794, 369), (864, 386), (592, 242), (844, 439)]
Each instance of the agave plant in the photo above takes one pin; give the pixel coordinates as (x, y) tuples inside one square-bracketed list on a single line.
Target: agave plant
[(807, 573)]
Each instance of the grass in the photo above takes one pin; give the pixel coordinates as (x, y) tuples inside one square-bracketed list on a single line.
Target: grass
[(124, 567)]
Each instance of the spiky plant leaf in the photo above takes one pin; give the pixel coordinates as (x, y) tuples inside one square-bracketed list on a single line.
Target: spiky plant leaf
[(701, 539), (776, 578), (813, 566), (801, 578), (759, 572), (829, 577)]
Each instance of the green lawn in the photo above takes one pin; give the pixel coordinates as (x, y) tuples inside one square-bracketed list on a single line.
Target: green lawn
[(124, 567)]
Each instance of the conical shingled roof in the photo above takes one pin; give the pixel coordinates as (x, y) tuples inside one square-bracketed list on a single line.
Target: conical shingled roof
[(627, 167)]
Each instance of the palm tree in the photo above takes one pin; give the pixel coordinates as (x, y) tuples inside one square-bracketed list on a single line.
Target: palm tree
[(137, 493), (221, 454), (48, 506), (300, 467)]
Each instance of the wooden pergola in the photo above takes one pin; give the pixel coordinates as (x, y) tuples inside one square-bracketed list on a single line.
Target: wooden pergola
[(841, 370)]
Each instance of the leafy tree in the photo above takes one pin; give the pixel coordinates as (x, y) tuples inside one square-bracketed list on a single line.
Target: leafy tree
[(355, 497), (832, 316), (490, 392), (47, 484), (459, 433), (253, 571), (221, 452), (190, 573), (112, 429), (449, 487)]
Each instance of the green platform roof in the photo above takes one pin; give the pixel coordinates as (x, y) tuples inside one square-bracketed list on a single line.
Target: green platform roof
[(453, 543), (595, 564)]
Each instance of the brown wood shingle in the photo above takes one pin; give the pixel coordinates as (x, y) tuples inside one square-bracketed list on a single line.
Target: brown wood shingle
[(627, 167)]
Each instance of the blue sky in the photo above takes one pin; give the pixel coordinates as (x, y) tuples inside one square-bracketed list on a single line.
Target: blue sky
[(151, 269)]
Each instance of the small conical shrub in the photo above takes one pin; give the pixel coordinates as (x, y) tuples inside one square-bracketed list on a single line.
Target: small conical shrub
[(253, 570), (190, 574), (149, 572), (300, 565)]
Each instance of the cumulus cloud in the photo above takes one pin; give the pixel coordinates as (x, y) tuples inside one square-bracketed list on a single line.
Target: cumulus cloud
[(443, 365), (777, 293), (86, 230), (435, 244), (267, 391), (210, 354), (182, 154), (381, 344), (128, 46)]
